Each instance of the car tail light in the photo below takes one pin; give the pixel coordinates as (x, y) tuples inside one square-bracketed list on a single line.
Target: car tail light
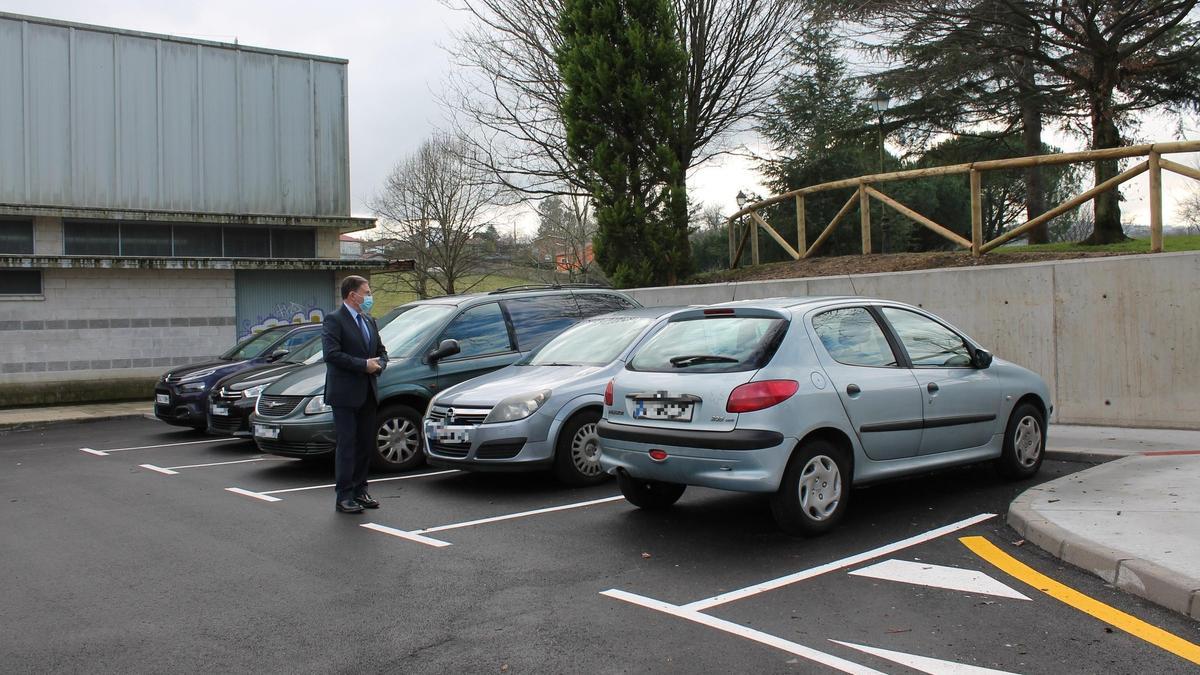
[(658, 455), (760, 395), (608, 394), (718, 312)]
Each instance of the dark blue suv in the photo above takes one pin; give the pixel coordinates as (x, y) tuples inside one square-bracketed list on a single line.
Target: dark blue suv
[(181, 395)]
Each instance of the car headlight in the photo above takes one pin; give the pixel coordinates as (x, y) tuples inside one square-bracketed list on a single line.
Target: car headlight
[(317, 406), (517, 407), (194, 386), (254, 392)]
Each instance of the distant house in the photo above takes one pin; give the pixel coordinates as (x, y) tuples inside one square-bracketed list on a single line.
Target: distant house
[(570, 261), (352, 249)]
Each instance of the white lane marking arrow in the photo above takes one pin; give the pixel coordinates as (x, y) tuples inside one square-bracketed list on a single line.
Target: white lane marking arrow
[(937, 576), (924, 664)]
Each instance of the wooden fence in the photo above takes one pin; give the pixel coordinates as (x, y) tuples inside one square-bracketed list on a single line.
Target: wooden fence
[(865, 190)]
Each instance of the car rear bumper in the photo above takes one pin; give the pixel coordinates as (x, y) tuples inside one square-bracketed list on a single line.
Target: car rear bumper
[(752, 469)]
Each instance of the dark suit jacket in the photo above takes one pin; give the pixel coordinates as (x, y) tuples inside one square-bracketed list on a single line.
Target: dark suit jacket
[(346, 378)]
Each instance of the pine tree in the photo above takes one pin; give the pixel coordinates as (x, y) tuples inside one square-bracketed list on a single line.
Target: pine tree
[(623, 69)]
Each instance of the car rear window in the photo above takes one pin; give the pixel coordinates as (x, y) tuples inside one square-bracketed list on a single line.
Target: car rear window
[(713, 344)]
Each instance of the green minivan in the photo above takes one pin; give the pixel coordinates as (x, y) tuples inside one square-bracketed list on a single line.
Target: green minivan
[(431, 344)]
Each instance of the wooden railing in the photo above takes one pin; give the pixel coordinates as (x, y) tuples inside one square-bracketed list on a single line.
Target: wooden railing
[(865, 190)]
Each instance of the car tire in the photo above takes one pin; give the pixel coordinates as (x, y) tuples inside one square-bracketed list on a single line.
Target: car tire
[(813, 494), (577, 451), (649, 494), (1024, 443), (399, 440)]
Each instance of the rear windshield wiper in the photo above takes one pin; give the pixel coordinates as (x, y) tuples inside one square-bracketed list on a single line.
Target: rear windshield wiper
[(685, 361)]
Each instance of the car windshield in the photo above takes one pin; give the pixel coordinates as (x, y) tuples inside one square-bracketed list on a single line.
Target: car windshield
[(309, 352), (404, 335), (592, 343), (252, 346), (714, 344)]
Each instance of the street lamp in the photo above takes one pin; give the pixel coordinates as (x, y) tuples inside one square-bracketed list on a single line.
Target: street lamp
[(879, 103), (741, 199)]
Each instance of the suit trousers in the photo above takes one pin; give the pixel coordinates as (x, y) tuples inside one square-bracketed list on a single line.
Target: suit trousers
[(356, 433)]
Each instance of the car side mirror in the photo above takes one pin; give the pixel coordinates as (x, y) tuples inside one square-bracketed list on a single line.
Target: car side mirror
[(446, 348), (981, 359), (277, 354)]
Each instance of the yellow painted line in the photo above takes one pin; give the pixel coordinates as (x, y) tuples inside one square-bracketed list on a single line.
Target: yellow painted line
[(1110, 615)]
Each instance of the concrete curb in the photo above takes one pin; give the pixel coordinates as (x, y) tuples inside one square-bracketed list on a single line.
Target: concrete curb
[(7, 427), (1124, 570)]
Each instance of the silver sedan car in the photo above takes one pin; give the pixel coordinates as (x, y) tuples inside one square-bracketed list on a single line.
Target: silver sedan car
[(802, 398), (540, 412)]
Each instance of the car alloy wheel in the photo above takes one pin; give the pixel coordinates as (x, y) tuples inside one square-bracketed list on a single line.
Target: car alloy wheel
[(814, 491), (1028, 442), (398, 440), (577, 451), (1024, 443), (585, 450)]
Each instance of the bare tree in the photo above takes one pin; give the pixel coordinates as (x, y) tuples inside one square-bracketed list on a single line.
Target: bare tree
[(1189, 212), (509, 93), (435, 204)]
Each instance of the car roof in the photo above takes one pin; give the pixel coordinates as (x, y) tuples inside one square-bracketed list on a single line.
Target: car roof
[(648, 312), (794, 302), (290, 327), (511, 292)]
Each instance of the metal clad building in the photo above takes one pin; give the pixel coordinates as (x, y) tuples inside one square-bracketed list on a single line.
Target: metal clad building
[(160, 197), (94, 117)]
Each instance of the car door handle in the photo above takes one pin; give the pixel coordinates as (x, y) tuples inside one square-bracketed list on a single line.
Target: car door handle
[(853, 390), (932, 387)]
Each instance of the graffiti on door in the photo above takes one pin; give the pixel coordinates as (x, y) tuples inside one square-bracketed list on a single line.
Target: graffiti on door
[(282, 314)]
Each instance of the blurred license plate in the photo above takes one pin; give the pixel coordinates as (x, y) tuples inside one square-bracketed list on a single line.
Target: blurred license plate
[(220, 410), (454, 434), (651, 409), (266, 431), (162, 398)]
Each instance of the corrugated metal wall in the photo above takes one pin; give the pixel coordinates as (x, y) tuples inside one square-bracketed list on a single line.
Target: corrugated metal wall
[(266, 299), (97, 118)]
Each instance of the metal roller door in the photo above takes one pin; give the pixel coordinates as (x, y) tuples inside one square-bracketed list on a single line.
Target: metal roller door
[(266, 299)]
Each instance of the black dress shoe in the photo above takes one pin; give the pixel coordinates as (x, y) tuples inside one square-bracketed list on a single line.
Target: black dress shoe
[(349, 506), (364, 500)]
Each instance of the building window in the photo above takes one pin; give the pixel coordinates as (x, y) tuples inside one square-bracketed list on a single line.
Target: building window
[(247, 242), (145, 240), (197, 241), (16, 237), (20, 282), (91, 238), (293, 244)]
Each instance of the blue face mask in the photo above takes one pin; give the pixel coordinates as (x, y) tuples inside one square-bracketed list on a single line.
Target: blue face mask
[(368, 302)]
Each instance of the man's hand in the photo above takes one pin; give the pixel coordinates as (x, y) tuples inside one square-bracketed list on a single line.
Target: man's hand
[(373, 366)]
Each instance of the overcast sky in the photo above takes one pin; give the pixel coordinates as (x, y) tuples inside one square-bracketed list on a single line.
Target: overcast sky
[(397, 64)]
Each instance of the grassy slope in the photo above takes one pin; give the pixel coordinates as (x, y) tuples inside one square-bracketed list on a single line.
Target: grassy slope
[(391, 298), (1186, 242)]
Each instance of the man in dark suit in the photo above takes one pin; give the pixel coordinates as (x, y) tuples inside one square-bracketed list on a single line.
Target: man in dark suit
[(354, 357)]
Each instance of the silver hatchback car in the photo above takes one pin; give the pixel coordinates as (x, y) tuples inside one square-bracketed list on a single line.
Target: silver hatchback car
[(540, 412), (804, 397)]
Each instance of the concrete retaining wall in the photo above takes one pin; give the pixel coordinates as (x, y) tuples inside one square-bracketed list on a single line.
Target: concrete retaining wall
[(1116, 338)]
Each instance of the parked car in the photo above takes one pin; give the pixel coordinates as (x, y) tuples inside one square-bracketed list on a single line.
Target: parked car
[(232, 399), (803, 398), (541, 412), (432, 345), (181, 395)]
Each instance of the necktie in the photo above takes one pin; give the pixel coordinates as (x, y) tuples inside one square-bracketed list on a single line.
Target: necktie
[(362, 324)]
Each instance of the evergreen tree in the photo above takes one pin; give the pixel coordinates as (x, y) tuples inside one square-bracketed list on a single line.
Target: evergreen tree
[(623, 70)]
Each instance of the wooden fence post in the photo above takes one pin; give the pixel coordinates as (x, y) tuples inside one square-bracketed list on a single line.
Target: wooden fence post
[(864, 209), (732, 242), (1156, 224), (976, 213), (753, 241), (801, 234)]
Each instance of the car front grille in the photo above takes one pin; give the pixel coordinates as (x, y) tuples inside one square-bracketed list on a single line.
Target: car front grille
[(501, 450), (228, 425), (456, 416), (278, 406), (224, 396), (457, 451), (293, 447)]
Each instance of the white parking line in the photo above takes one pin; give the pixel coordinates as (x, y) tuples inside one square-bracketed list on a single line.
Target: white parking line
[(436, 543), (888, 549), (254, 495), (173, 470), (523, 514), (159, 469), (800, 650), (105, 453), (372, 480)]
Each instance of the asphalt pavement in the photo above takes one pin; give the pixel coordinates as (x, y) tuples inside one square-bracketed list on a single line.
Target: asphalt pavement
[(132, 546)]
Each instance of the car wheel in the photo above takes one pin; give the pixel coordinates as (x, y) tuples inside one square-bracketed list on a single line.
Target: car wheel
[(649, 494), (577, 451), (1024, 443), (815, 489), (399, 440)]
